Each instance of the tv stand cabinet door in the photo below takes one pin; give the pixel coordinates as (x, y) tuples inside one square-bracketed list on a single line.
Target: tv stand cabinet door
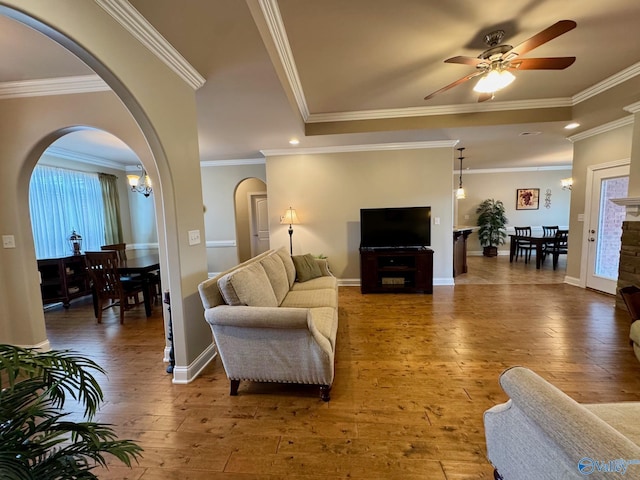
[(424, 273), (368, 272)]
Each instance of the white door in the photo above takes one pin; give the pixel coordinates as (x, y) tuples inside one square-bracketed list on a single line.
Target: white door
[(259, 224), (605, 227)]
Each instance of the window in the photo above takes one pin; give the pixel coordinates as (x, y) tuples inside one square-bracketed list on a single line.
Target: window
[(61, 201)]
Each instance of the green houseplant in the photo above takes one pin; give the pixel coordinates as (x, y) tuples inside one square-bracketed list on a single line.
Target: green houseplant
[(492, 222), (37, 441)]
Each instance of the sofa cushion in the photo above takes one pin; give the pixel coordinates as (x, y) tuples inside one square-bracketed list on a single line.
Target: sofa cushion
[(317, 284), (306, 267), (277, 275), (622, 416), (311, 298), (248, 285), (288, 265)]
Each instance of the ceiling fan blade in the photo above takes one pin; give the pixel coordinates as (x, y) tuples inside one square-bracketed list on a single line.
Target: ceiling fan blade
[(552, 63), (555, 30), (474, 62), (454, 84), (483, 97)]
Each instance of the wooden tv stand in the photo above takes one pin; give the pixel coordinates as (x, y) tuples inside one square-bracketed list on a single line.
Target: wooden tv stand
[(396, 270)]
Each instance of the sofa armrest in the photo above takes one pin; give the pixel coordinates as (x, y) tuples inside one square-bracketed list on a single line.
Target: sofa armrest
[(257, 317), (562, 427)]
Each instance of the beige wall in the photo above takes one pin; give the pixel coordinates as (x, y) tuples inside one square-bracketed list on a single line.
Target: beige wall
[(328, 191), (502, 186), (219, 184)]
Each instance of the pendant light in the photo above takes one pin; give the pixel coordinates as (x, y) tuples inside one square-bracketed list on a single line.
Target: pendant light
[(460, 194)]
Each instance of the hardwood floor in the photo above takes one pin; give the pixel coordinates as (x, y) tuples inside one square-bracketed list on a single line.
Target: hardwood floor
[(414, 374)]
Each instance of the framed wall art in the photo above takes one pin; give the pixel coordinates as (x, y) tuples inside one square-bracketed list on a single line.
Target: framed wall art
[(527, 199)]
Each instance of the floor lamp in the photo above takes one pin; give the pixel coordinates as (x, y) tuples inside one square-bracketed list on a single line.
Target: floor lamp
[(290, 218)]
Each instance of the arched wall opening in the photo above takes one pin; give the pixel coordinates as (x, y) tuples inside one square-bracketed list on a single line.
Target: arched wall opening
[(249, 213), (161, 126)]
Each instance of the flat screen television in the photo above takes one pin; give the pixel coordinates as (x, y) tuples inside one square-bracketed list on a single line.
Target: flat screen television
[(408, 227)]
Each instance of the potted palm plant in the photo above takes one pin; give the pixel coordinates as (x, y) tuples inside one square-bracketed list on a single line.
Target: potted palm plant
[(492, 222), (39, 440)]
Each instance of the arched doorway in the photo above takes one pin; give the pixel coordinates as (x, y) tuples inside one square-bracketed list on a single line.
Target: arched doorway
[(252, 218), (160, 126)]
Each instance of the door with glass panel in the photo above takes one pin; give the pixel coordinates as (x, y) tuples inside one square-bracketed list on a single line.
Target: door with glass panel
[(605, 227)]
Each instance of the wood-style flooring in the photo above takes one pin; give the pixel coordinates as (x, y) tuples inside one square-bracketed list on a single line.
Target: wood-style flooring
[(414, 374)]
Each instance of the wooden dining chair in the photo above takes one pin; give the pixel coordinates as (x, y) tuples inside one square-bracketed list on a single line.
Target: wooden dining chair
[(548, 231), (559, 246), (524, 247), (121, 248), (108, 287)]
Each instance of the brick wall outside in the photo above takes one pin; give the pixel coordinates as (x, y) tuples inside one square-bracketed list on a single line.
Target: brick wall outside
[(611, 219)]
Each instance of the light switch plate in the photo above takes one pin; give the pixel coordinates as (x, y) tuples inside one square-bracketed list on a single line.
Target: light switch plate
[(194, 237), (8, 241)]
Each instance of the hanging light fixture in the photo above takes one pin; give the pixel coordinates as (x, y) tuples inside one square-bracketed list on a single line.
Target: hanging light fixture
[(140, 183), (493, 81), (460, 194)]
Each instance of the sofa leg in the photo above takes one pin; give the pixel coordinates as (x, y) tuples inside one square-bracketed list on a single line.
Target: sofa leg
[(496, 475), (324, 392), (234, 387)]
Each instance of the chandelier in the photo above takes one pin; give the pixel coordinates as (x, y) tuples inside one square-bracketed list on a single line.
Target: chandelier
[(140, 183)]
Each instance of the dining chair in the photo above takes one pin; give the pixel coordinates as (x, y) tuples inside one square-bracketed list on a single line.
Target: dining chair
[(548, 231), (108, 287), (524, 247), (559, 246), (121, 248)]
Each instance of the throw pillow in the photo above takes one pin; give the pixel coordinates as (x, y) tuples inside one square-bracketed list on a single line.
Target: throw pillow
[(306, 267)]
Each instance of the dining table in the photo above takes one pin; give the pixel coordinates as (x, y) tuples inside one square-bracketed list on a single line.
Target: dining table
[(540, 241)]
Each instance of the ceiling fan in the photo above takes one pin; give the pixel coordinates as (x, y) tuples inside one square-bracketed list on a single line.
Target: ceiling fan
[(495, 63)]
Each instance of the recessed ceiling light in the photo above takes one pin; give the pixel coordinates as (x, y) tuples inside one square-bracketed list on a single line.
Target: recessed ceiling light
[(294, 141), (572, 125)]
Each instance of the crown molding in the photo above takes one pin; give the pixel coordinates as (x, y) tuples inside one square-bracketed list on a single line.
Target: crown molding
[(271, 13), (438, 110), (138, 26), (476, 171), (66, 154), (361, 148), (607, 83), (607, 127), (633, 108), (233, 163), (52, 86)]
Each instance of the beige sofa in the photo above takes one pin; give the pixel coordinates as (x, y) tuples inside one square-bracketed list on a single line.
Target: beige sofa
[(544, 434), (269, 326)]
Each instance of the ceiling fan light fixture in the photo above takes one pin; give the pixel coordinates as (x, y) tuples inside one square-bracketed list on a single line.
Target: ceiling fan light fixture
[(493, 81)]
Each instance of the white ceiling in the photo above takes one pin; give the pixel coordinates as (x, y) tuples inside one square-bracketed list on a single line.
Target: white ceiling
[(359, 59)]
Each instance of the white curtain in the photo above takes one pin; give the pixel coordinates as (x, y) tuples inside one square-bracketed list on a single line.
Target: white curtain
[(61, 201)]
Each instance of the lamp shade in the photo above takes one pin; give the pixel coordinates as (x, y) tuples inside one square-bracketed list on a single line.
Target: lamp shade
[(289, 217)]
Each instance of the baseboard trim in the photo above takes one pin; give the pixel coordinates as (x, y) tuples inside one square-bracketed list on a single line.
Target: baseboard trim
[(42, 346), (184, 375), (349, 282), (572, 281), (445, 281)]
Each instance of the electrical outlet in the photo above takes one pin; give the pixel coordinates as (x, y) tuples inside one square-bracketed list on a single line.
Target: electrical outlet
[(194, 237), (8, 241)]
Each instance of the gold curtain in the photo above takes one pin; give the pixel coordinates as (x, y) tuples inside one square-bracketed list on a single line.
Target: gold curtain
[(111, 205)]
